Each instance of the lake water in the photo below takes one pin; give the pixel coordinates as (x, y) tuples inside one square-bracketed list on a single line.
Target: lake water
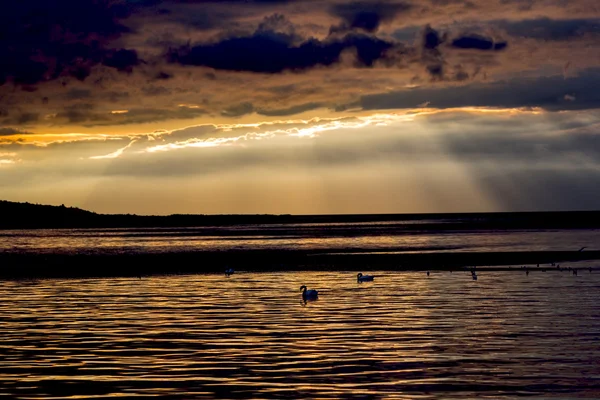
[(386, 236), (405, 335)]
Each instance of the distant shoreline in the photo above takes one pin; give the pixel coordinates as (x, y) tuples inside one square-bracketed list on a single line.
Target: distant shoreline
[(28, 265), (36, 216)]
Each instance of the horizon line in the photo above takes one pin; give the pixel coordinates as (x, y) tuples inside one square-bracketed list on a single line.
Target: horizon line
[(409, 214)]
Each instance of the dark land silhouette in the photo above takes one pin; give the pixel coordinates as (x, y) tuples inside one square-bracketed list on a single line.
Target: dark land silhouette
[(30, 264), (35, 216)]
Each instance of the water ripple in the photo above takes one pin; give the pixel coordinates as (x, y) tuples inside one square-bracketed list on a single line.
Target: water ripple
[(250, 336)]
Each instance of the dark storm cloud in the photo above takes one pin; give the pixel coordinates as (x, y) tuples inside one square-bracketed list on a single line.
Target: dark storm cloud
[(436, 71), (155, 90), (78, 94), (550, 29), (282, 112), (366, 15), (42, 40), (122, 60), (19, 118), (449, 2), (477, 42), (431, 55), (546, 92), (11, 131), (435, 49), (238, 110), (271, 52), (205, 16), (258, 2), (131, 54), (86, 115), (431, 38), (199, 16), (163, 76)]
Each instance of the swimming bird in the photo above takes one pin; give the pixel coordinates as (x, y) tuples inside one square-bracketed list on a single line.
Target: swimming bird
[(229, 271), (363, 278), (474, 275), (308, 295)]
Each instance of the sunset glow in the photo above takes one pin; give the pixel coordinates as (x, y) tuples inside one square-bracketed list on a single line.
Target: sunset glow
[(299, 106)]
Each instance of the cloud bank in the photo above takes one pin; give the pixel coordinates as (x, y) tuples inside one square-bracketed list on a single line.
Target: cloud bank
[(70, 66)]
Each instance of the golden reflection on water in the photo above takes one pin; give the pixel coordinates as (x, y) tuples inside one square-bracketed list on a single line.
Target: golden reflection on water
[(380, 236), (405, 335)]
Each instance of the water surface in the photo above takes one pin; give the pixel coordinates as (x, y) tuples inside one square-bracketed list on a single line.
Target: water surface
[(381, 236), (250, 336)]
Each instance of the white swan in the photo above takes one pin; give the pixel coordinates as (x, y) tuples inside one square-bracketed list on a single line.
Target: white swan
[(308, 295), (364, 278), (229, 271)]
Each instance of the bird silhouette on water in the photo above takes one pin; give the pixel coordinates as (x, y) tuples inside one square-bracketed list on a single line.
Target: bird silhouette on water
[(308, 295), (364, 278)]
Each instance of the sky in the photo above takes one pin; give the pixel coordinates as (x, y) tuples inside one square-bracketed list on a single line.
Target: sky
[(301, 106)]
